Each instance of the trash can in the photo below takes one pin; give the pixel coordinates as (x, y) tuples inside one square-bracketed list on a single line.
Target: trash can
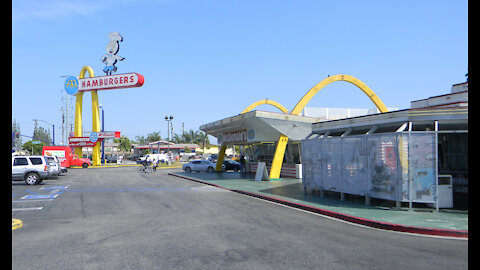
[(445, 191), (298, 173)]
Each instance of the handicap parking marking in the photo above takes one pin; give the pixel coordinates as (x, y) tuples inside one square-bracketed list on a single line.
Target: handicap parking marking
[(59, 187), (55, 190), (33, 197)]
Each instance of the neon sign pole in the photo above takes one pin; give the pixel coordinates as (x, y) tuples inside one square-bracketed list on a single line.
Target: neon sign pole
[(77, 86)]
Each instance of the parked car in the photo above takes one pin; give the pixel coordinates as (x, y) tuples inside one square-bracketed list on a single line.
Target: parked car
[(200, 166), (231, 165), (112, 159), (31, 169), (213, 158), (60, 167), (54, 169)]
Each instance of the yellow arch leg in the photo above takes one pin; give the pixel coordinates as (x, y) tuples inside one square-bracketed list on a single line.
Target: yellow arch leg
[(95, 117), (96, 161), (78, 121), (278, 157), (221, 157)]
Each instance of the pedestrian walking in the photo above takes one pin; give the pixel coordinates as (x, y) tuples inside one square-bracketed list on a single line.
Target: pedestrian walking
[(154, 163), (242, 164)]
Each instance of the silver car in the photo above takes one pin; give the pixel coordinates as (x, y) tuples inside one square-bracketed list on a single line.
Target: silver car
[(55, 158), (32, 169), (200, 166), (54, 169)]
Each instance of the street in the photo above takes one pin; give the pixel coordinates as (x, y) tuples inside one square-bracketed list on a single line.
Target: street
[(118, 218)]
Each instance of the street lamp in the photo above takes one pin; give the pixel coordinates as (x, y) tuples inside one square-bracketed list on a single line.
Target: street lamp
[(103, 141), (53, 129), (169, 120)]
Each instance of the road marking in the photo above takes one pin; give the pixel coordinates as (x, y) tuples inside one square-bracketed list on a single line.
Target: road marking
[(27, 209), (16, 223), (46, 200), (30, 197)]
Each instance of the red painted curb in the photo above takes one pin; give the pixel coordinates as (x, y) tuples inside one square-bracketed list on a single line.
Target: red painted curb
[(349, 218)]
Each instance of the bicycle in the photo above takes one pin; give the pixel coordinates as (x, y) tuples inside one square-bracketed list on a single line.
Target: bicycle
[(143, 169)]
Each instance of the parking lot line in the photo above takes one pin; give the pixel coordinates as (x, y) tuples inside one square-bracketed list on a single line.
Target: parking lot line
[(41, 200), (27, 209)]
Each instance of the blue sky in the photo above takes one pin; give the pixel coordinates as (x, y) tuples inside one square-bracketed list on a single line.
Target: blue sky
[(207, 60)]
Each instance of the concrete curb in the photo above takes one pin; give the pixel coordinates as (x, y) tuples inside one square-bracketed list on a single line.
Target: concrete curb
[(345, 217)]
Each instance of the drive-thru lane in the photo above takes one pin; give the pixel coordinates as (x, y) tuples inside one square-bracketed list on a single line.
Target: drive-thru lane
[(117, 218)]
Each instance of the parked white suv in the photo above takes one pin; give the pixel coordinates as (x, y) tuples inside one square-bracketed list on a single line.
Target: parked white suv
[(32, 169)]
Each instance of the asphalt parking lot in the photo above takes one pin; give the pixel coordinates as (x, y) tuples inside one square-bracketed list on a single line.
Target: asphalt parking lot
[(117, 218)]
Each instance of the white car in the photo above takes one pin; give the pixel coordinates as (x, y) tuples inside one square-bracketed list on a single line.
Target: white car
[(56, 160), (200, 166), (31, 169), (54, 169)]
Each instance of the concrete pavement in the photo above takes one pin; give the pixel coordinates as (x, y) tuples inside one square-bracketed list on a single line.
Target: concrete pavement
[(289, 191)]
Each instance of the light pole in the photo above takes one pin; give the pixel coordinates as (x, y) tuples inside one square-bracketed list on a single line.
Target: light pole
[(103, 140), (169, 120), (53, 129)]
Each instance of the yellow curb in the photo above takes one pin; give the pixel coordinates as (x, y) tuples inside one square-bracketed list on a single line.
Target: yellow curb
[(16, 223)]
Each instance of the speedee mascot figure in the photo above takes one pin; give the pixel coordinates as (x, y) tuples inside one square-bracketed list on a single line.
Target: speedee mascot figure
[(111, 58)]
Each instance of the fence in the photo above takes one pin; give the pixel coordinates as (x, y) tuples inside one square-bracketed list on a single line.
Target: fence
[(393, 166)]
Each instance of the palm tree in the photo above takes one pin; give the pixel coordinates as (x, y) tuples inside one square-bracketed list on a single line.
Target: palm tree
[(203, 138), (154, 136), (141, 139)]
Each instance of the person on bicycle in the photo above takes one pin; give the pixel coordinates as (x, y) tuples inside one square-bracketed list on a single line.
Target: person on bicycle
[(145, 165)]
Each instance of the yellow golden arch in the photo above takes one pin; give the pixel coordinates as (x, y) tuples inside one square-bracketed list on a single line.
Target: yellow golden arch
[(282, 141), (95, 117)]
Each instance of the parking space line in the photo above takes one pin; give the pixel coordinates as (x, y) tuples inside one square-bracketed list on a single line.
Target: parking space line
[(27, 209), (41, 200)]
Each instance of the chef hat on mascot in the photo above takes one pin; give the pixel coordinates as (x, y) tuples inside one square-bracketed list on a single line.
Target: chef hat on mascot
[(115, 37)]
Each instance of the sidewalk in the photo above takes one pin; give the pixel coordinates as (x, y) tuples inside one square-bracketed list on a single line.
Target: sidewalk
[(289, 191)]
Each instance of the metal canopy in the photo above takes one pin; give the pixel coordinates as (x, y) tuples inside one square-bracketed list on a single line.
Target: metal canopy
[(453, 118), (263, 126)]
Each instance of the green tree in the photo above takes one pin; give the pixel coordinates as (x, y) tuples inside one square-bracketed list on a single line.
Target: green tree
[(125, 144), (15, 129), (41, 133), (154, 136), (177, 138), (141, 139), (34, 149), (202, 137)]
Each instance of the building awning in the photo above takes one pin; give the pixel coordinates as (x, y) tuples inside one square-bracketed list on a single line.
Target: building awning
[(448, 118), (260, 126)]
